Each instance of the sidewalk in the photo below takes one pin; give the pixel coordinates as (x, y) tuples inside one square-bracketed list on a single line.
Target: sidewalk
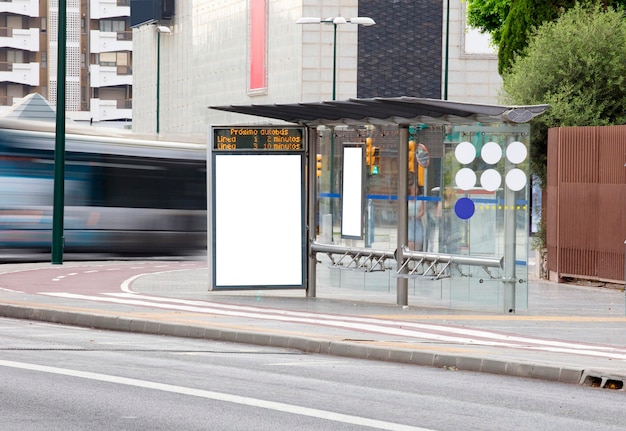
[(572, 334)]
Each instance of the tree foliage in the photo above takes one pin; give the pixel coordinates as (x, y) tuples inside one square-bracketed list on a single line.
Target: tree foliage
[(488, 16), (576, 65), (509, 23), (523, 17)]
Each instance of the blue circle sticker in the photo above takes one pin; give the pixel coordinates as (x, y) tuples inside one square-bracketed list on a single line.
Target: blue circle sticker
[(464, 208)]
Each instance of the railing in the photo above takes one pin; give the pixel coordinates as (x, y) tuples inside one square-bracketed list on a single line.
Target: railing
[(415, 263), (366, 259), (437, 265)]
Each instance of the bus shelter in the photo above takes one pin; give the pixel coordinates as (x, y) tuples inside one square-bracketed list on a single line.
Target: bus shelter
[(425, 196)]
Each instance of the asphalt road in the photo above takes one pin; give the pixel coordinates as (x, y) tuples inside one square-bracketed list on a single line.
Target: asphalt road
[(573, 335), (68, 378)]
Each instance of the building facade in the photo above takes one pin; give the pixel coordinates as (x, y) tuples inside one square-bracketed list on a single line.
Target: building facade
[(235, 52), (253, 52), (98, 49)]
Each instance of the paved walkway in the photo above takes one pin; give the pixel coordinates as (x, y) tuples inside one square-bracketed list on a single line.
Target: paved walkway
[(568, 333)]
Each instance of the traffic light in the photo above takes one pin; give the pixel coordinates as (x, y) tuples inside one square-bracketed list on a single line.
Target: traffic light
[(411, 156), (369, 152), (318, 164), (372, 157), (375, 161)]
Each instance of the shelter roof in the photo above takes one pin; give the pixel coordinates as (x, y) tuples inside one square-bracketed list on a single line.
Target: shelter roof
[(387, 111)]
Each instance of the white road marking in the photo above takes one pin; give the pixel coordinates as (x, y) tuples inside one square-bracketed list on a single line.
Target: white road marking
[(218, 396), (396, 328)]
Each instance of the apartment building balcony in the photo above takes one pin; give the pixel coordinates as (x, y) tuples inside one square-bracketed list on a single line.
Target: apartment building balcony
[(104, 110), (110, 41), (20, 73), (109, 8), (24, 39), (20, 7), (108, 76), (109, 110)]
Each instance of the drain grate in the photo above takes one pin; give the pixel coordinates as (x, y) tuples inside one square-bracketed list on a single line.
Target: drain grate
[(596, 379)]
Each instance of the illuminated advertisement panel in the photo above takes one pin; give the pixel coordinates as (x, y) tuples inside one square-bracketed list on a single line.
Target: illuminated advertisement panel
[(257, 208)]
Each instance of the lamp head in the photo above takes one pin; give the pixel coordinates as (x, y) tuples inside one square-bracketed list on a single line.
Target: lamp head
[(308, 20), (362, 20)]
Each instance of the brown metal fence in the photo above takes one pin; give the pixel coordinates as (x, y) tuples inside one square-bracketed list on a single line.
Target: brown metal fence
[(586, 203)]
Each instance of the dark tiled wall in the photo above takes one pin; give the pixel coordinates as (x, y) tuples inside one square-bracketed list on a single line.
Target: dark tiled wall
[(401, 55)]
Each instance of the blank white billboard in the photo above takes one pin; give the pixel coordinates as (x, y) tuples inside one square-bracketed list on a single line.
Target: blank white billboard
[(259, 237), (352, 193)]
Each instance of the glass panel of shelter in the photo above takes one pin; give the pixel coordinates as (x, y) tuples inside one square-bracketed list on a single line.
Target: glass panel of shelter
[(471, 189)]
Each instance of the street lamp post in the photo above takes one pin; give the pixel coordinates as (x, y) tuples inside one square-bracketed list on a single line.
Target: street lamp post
[(335, 21), (159, 29), (445, 75), (58, 208)]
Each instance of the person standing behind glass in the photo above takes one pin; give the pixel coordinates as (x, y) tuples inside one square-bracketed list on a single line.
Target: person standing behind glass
[(416, 212), (448, 236)]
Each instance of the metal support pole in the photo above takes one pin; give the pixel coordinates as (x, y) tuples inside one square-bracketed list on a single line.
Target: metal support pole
[(158, 84), (510, 241), (312, 213), (334, 61), (331, 159), (445, 74), (402, 284), (59, 148)]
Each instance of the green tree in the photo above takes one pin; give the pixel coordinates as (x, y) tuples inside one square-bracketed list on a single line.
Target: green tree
[(488, 16), (576, 65), (523, 16), (509, 23)]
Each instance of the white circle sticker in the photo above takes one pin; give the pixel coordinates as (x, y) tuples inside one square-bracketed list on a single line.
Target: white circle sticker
[(516, 179), (516, 152), (465, 179), (490, 180), (491, 153), (465, 152)]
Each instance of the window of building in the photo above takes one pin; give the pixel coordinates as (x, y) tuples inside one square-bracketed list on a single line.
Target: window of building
[(44, 24), (123, 59), (112, 25), (113, 59), (44, 59), (108, 58), (475, 42), (15, 56)]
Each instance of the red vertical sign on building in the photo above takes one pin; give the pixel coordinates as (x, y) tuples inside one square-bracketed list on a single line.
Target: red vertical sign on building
[(258, 45)]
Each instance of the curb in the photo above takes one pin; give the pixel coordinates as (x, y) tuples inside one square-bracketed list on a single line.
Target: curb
[(313, 345)]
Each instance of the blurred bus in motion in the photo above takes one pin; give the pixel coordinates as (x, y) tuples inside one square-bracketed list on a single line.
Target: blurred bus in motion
[(122, 195)]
